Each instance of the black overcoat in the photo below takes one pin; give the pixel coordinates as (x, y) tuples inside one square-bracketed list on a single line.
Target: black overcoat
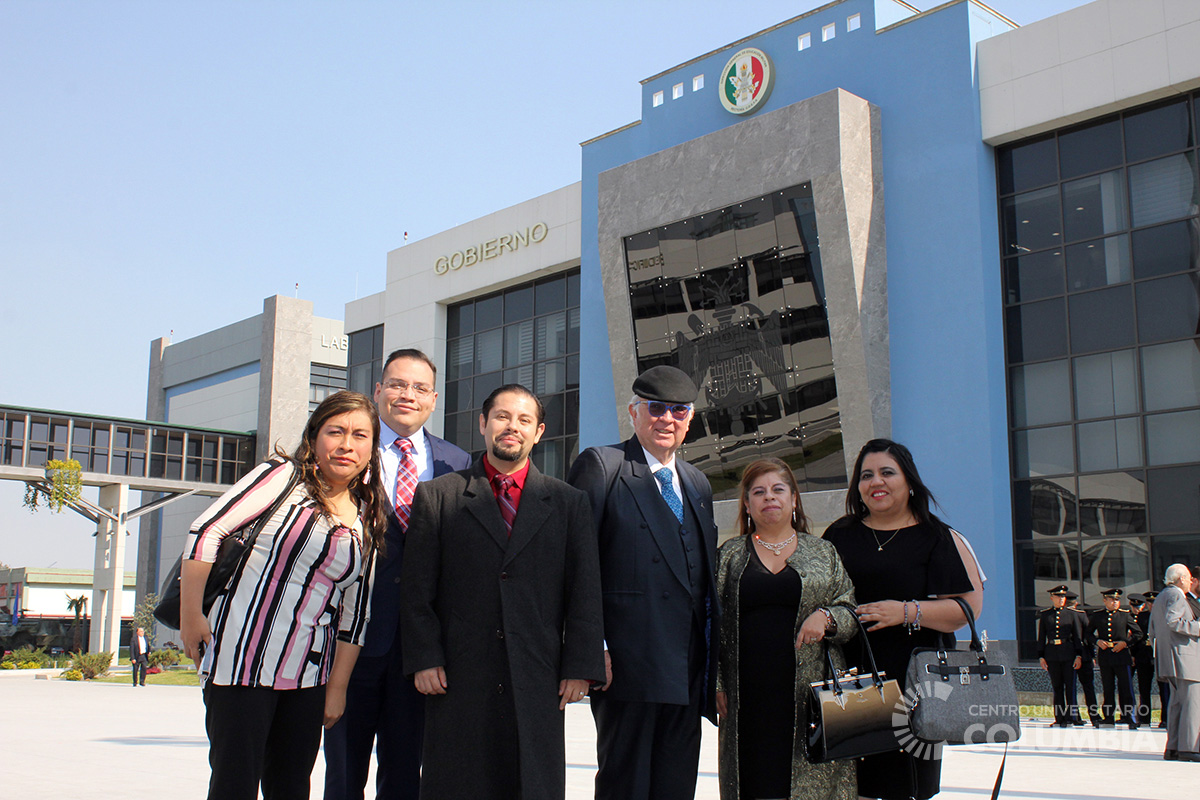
[(508, 618)]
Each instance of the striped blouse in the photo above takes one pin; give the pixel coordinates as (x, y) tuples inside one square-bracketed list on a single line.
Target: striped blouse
[(305, 582)]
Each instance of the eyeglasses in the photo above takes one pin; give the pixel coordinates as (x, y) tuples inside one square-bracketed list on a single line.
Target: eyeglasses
[(679, 411), (399, 387)]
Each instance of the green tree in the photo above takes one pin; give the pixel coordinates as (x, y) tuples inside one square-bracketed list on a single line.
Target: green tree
[(79, 606), (66, 485), (143, 617)]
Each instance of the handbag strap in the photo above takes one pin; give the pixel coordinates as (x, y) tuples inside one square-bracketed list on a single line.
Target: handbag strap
[(265, 517), (866, 643), (976, 644)]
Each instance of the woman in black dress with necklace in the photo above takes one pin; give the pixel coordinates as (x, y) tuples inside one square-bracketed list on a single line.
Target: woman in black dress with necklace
[(783, 592), (903, 560)]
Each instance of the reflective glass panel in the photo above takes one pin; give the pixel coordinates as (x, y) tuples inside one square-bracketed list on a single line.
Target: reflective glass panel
[(1031, 221), (489, 312), (1106, 385), (1114, 563), (1109, 444), (1100, 263), (1037, 331), (1112, 504), (1173, 438), (1168, 550), (1163, 189), (1043, 451), (1166, 249), (1171, 375), (1091, 148), (1044, 507), (1158, 131), (1028, 166), (1044, 564), (1174, 496), (1102, 319), (1041, 394), (518, 304), (1168, 308), (1094, 206), (1034, 276)]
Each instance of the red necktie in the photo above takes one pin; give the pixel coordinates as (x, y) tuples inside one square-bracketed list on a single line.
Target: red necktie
[(508, 512), (406, 482)]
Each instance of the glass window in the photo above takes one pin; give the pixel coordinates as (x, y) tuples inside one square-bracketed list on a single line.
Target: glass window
[(1037, 331), (1171, 375), (518, 304), (1028, 166), (1092, 148), (1035, 276), (1102, 319), (551, 295), (1105, 385), (1108, 563), (1044, 507), (1165, 249), (1163, 189), (1173, 438), (1174, 499), (1168, 550), (460, 320), (1168, 308), (1095, 206), (460, 357), (1112, 504), (1100, 263), (489, 312), (1031, 221), (1041, 394), (1043, 451), (489, 350), (1045, 564), (1158, 131), (1109, 444)]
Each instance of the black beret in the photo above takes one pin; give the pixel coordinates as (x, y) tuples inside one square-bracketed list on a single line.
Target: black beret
[(665, 384)]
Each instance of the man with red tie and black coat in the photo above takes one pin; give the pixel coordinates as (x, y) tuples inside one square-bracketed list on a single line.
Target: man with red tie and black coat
[(1060, 650), (384, 712), (1115, 631)]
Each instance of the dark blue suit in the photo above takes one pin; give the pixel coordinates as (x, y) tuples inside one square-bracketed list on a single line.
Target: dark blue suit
[(380, 702)]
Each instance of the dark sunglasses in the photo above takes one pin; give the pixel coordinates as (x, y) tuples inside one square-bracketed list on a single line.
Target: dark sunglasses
[(679, 411)]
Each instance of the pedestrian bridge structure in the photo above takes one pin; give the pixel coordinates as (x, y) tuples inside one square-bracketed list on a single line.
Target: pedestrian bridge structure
[(119, 455)]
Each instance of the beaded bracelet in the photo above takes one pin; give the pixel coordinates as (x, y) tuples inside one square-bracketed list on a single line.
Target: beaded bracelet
[(915, 625)]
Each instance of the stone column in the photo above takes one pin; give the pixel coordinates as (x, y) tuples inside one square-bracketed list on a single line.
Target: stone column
[(108, 570)]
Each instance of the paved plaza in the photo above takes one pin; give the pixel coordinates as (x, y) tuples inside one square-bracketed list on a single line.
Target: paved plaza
[(99, 740)]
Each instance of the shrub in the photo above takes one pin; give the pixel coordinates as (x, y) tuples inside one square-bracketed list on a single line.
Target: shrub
[(72, 675), (19, 658), (7, 665), (92, 665), (164, 658)]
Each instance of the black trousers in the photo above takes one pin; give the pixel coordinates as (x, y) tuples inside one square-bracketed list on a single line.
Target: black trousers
[(265, 736), (139, 672), (646, 751), (1062, 674), (1164, 700), (1120, 675), (384, 713), (1143, 669), (1087, 681)]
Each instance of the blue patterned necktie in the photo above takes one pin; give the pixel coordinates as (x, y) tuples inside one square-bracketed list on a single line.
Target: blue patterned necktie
[(664, 476)]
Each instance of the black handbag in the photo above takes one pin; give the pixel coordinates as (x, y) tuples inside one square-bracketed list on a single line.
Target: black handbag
[(231, 555), (851, 715), (958, 697)]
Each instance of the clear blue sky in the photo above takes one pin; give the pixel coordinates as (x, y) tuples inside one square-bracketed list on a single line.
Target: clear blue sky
[(168, 165)]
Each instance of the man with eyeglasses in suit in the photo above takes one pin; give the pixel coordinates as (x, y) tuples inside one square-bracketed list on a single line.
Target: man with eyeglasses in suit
[(654, 520), (384, 711)]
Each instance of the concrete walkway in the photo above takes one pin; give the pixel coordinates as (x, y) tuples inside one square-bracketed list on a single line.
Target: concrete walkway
[(79, 740)]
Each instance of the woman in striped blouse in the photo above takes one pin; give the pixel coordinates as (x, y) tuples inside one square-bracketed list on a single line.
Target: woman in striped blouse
[(265, 650)]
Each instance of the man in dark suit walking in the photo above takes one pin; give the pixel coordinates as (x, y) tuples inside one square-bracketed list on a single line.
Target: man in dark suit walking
[(501, 614), (654, 521), (139, 656), (383, 710)]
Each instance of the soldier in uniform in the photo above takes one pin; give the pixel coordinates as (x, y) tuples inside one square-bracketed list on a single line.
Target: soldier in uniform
[(1143, 656), (1085, 673), (1060, 650), (1115, 631)]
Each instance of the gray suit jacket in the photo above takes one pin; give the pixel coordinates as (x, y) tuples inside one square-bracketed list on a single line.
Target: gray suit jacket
[(1176, 633)]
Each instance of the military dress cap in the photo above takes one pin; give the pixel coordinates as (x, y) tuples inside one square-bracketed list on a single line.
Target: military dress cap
[(1150, 596), (1060, 590), (1071, 595), (666, 385), (1112, 593), (1137, 599)]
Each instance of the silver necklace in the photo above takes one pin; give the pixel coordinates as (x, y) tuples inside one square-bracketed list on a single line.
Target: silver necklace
[(775, 547)]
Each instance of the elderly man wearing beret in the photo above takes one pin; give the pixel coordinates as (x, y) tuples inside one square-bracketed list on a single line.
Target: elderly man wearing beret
[(654, 519)]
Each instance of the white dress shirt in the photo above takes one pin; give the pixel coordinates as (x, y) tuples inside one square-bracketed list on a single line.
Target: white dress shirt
[(655, 465)]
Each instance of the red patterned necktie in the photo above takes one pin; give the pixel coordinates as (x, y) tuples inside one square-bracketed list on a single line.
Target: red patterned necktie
[(406, 482), (508, 512)]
